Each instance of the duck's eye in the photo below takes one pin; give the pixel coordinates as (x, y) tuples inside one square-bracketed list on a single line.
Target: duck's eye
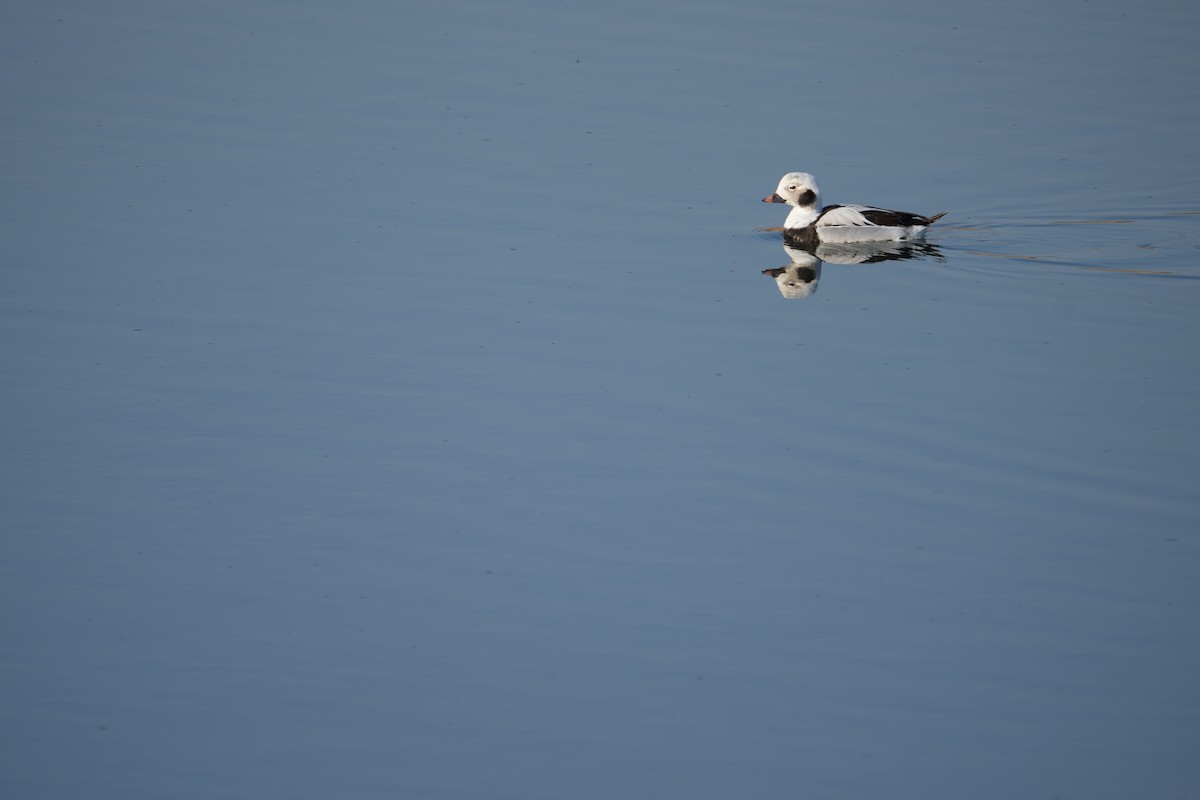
[(792, 188)]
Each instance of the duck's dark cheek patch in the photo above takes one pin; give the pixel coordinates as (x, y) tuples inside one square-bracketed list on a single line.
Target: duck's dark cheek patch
[(807, 198)]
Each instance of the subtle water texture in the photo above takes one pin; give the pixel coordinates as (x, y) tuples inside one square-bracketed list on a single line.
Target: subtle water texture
[(395, 405)]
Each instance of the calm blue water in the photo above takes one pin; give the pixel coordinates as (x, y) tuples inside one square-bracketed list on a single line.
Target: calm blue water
[(395, 404)]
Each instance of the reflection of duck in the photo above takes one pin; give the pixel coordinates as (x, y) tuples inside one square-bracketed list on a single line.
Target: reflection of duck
[(840, 223), (799, 279), (868, 252)]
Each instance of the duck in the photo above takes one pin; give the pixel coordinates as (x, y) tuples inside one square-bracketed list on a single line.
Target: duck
[(809, 223)]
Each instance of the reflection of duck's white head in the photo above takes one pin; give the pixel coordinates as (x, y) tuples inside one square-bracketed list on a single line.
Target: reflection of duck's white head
[(797, 280)]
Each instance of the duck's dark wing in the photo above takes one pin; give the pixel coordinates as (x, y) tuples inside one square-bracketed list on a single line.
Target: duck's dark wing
[(870, 215)]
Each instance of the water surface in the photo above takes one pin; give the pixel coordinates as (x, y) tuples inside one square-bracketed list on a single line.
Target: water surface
[(396, 404)]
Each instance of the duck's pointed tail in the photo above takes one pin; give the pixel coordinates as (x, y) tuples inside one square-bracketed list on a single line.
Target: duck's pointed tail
[(936, 217)]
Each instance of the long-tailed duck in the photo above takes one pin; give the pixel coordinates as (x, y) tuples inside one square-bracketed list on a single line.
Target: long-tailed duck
[(808, 222)]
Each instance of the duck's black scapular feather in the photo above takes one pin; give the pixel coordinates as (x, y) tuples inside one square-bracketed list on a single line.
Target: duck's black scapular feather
[(886, 218)]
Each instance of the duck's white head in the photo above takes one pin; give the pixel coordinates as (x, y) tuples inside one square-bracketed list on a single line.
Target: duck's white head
[(796, 189)]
